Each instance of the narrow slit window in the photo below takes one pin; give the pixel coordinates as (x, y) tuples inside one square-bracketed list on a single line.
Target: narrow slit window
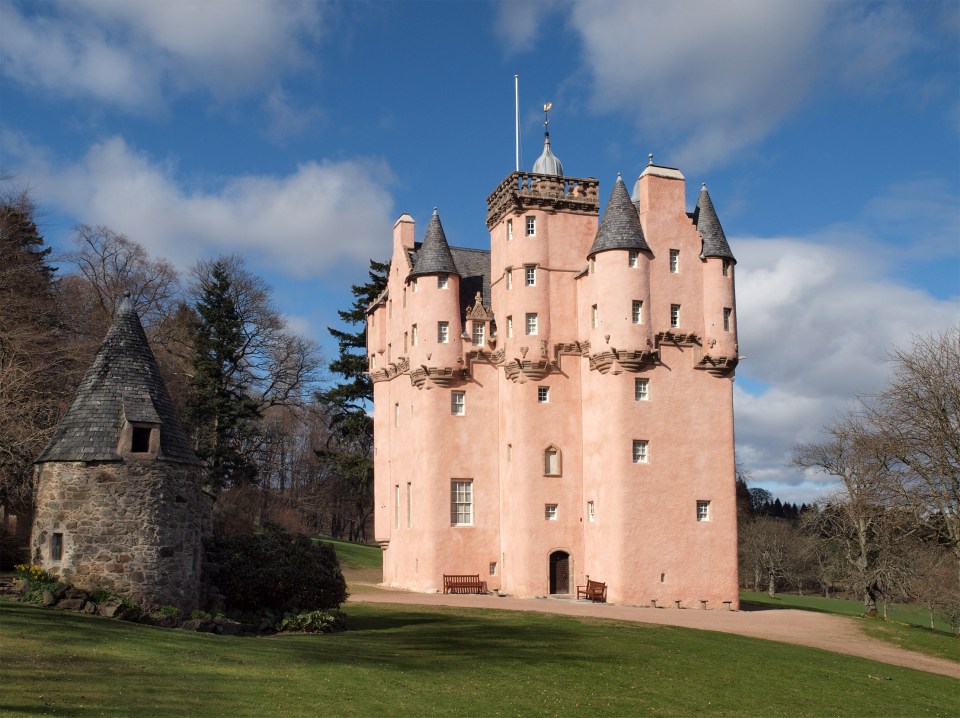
[(674, 315), (636, 312), (727, 318), (674, 261), (56, 547)]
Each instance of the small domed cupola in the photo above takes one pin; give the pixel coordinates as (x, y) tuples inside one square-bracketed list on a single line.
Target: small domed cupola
[(708, 225), (434, 256), (547, 163), (620, 227)]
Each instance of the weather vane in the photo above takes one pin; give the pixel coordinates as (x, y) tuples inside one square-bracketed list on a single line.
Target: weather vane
[(546, 116)]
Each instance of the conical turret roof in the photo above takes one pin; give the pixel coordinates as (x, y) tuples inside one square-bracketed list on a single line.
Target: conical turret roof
[(434, 255), (548, 163), (620, 227), (123, 383), (705, 218)]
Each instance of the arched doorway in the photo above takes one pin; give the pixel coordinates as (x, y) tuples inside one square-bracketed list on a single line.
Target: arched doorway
[(559, 572)]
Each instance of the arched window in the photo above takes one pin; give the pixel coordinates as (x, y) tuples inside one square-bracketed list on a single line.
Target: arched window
[(552, 461)]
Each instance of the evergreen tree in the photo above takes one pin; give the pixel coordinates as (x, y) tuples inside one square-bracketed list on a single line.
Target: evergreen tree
[(349, 450), (223, 417)]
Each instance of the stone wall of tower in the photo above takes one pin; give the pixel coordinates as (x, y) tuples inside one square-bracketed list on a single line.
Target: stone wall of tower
[(136, 528)]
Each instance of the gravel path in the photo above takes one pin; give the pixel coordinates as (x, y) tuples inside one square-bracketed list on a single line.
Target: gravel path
[(839, 634)]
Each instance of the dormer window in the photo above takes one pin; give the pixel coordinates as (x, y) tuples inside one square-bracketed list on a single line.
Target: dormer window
[(140, 440), (479, 329)]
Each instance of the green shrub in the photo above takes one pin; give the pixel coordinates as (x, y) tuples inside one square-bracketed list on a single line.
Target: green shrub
[(313, 622), (167, 610), (276, 570), (37, 580)]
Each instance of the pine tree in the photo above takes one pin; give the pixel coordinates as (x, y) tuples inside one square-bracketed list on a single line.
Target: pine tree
[(349, 451), (223, 417)]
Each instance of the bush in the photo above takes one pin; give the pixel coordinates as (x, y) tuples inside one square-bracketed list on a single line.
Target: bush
[(313, 622), (276, 570), (36, 581)]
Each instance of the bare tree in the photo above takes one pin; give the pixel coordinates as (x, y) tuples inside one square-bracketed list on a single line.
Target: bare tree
[(774, 550)]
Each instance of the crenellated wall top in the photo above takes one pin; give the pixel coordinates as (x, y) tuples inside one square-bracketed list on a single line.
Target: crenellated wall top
[(522, 190)]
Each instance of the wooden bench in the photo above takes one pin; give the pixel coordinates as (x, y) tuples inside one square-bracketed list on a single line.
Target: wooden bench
[(594, 590), (463, 583)]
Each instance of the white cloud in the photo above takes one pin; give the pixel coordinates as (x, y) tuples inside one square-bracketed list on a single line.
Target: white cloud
[(709, 79), (517, 22), (817, 317), (301, 223), (131, 54)]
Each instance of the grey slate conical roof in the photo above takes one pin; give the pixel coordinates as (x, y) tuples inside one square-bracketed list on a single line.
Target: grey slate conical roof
[(705, 218), (434, 256), (123, 383), (620, 227), (548, 163)]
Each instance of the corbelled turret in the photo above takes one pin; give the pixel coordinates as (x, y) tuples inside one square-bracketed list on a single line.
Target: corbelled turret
[(708, 225), (620, 227), (434, 256)]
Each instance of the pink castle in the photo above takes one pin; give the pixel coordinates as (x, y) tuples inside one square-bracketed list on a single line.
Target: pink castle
[(560, 407)]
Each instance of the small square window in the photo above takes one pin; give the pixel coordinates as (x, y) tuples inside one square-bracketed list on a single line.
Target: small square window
[(442, 281), (530, 276), (543, 394), (550, 512), (509, 229), (531, 323), (674, 315), (458, 403), (636, 312), (640, 451), (633, 259), (703, 511), (591, 512), (727, 317), (531, 226), (641, 389), (674, 261), (56, 547), (443, 332)]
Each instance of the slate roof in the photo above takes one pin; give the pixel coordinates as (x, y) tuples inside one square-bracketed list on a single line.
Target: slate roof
[(122, 383), (705, 218), (473, 266), (434, 256), (620, 227), (548, 163)]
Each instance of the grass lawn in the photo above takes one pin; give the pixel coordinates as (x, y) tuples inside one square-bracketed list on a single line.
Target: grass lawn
[(356, 555), (907, 625), (414, 661)]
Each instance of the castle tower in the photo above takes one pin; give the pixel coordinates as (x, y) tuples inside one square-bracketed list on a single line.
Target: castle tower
[(119, 503)]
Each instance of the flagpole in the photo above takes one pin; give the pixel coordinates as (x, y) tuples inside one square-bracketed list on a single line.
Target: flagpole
[(516, 103)]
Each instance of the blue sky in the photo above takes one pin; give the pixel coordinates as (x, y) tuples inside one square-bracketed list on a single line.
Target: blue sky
[(296, 132)]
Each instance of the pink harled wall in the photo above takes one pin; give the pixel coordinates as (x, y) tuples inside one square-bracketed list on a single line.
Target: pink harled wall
[(645, 540)]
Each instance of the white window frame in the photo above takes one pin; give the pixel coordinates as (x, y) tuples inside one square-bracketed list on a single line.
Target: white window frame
[(551, 512), (531, 226), (641, 451), (727, 319), (443, 332), (636, 311), (530, 275), (509, 326), (641, 389), (703, 510), (543, 394), (532, 324), (443, 281), (461, 502), (458, 403), (509, 229), (479, 333), (510, 279), (633, 259), (591, 512), (674, 261), (674, 316)]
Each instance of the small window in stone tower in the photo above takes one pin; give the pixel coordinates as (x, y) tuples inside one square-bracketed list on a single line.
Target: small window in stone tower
[(703, 511), (140, 440), (443, 332), (479, 329), (509, 229), (442, 281), (458, 403), (509, 274), (413, 334), (591, 512), (56, 547), (636, 312), (531, 323), (530, 275), (594, 316), (727, 316), (641, 389), (641, 454), (531, 226), (633, 259), (726, 267), (674, 315), (510, 326), (552, 461), (543, 394), (550, 512), (405, 341), (674, 261)]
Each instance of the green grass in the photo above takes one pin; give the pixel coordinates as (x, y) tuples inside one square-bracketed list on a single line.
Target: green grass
[(414, 661), (356, 555), (907, 626)]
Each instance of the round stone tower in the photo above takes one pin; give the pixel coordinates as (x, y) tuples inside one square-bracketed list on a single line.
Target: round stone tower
[(119, 498)]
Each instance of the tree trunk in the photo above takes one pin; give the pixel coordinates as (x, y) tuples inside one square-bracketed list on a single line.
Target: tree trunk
[(771, 586), (931, 611), (870, 602), (756, 580)]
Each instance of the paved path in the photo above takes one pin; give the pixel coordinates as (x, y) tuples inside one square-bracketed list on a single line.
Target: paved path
[(840, 634)]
